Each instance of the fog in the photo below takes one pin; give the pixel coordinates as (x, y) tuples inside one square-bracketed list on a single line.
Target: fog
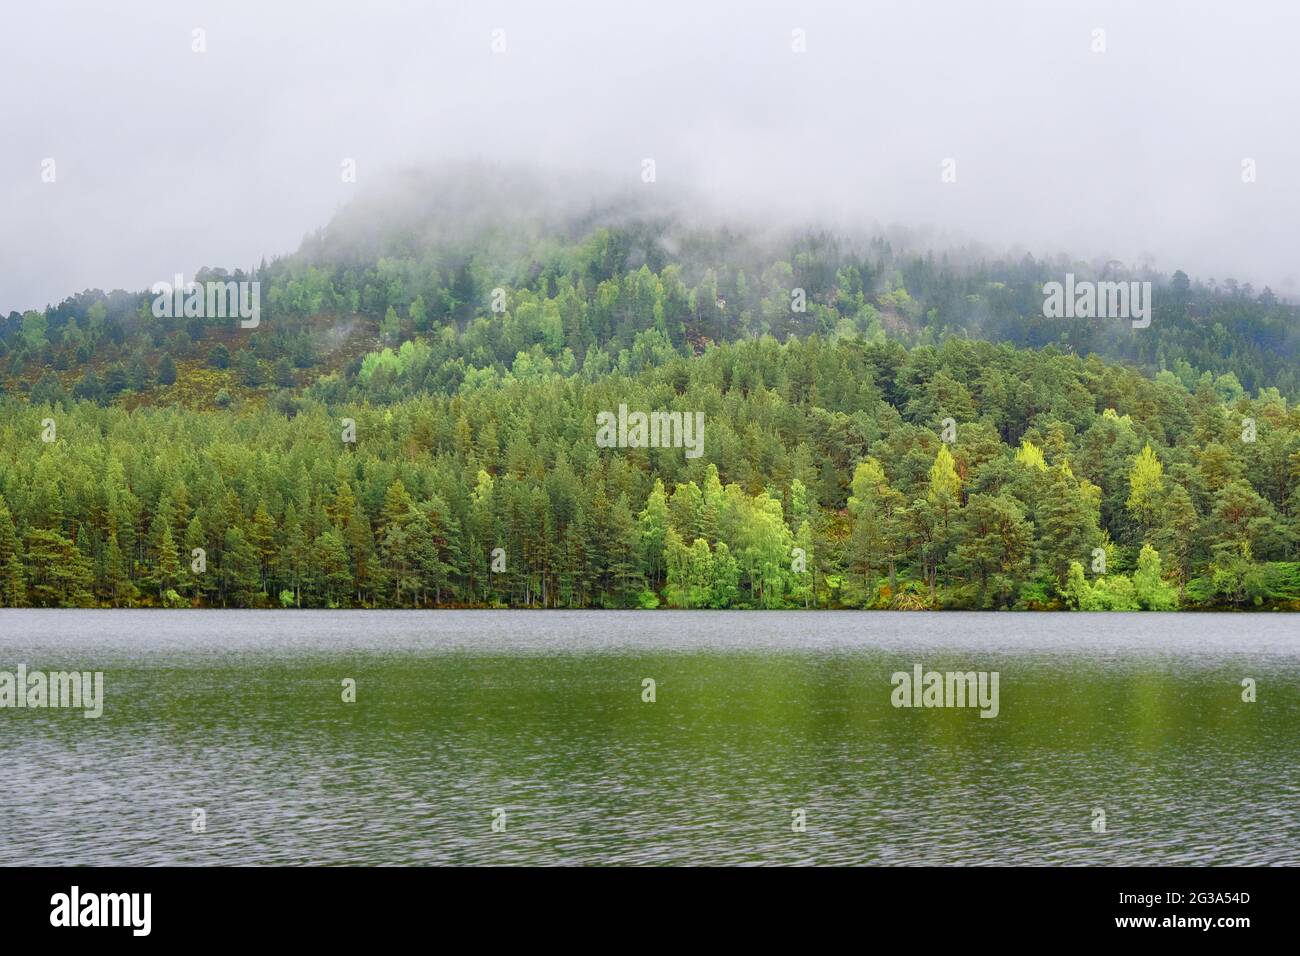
[(167, 159)]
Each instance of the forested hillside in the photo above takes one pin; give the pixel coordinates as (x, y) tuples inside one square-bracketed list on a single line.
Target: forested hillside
[(413, 424), (484, 279), (832, 448)]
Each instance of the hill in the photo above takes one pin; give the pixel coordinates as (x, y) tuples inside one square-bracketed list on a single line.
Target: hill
[(413, 421)]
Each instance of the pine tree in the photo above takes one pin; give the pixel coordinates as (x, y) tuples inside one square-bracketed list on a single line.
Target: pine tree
[(60, 576), (117, 583), (166, 567), (13, 580)]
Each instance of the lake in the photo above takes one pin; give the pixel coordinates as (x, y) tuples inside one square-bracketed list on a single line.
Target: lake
[(514, 737)]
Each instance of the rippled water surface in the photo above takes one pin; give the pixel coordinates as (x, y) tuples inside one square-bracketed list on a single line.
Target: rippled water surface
[(541, 714)]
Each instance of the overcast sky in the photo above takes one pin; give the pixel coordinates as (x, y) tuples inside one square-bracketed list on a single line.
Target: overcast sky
[(166, 159)]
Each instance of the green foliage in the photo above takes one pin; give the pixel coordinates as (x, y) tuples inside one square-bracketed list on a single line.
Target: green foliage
[(596, 282), (1150, 589), (166, 370), (785, 509), (1144, 591), (823, 483)]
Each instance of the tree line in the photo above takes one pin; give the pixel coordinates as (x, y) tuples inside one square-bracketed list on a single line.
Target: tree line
[(580, 287), (838, 471)]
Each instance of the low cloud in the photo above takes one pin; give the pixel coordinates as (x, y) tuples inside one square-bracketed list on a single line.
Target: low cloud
[(168, 159)]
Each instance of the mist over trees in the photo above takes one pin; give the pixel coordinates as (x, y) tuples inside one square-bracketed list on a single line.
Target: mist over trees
[(884, 428), (481, 265)]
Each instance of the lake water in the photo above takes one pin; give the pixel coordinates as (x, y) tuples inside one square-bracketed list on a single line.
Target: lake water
[(756, 716)]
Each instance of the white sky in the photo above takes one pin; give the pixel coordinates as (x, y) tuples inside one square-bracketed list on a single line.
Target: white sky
[(167, 160)]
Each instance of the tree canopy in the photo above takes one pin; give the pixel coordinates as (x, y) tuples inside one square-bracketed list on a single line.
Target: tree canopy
[(882, 429)]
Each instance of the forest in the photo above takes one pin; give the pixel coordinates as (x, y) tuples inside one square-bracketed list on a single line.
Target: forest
[(413, 424)]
